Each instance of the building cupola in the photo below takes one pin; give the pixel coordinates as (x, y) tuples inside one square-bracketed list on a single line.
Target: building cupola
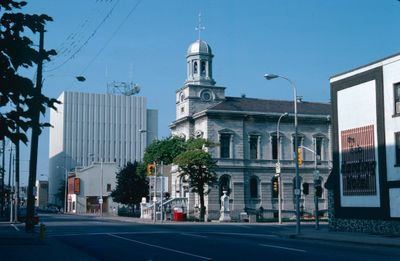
[(199, 64)]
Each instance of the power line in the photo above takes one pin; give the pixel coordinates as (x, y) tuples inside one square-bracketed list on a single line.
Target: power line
[(87, 40), (77, 35), (112, 36)]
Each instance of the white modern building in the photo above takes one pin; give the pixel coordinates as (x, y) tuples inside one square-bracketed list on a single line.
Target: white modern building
[(366, 147), (89, 127), (246, 131), (87, 185)]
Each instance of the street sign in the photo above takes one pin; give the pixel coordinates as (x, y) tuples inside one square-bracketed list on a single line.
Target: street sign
[(297, 192), (100, 201), (278, 168)]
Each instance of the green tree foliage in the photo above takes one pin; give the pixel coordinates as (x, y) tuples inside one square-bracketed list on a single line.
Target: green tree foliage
[(131, 185), (19, 98), (164, 150), (198, 167)]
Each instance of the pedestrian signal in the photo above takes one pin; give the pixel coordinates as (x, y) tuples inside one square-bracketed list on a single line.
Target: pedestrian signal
[(305, 188)]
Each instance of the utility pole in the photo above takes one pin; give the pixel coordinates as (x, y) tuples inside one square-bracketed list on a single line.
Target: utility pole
[(17, 173), (29, 226), (2, 176)]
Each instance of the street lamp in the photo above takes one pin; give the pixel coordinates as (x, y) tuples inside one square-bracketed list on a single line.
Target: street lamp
[(278, 166), (297, 185)]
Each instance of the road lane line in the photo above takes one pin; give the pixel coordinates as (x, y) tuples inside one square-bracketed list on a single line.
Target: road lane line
[(160, 247), (244, 234), (14, 226), (193, 235), (285, 248)]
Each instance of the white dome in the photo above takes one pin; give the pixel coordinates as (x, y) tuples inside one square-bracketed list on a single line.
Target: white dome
[(199, 47)]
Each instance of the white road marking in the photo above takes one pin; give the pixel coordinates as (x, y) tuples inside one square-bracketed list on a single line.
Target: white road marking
[(193, 235), (160, 247), (244, 234), (14, 226), (285, 248)]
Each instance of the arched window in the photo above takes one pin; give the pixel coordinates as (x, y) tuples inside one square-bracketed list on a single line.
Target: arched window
[(224, 185), (253, 187), (203, 68), (195, 67)]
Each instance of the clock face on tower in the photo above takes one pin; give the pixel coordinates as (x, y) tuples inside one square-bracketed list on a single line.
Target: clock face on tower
[(206, 95)]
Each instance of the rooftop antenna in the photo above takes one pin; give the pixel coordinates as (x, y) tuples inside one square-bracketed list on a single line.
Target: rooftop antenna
[(124, 88), (200, 27)]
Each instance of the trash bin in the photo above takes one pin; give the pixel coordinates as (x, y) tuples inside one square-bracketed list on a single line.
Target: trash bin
[(178, 214)]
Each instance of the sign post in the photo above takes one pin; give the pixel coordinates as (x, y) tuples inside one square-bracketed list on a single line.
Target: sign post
[(317, 182)]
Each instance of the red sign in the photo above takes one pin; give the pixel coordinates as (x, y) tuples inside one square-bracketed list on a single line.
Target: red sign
[(77, 185), (358, 161)]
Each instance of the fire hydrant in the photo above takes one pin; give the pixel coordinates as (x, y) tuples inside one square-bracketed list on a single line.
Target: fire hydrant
[(42, 231)]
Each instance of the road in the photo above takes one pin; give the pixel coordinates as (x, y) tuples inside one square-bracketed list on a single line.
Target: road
[(99, 239)]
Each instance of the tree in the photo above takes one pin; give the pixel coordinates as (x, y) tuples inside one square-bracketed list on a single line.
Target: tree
[(19, 99), (197, 165), (164, 150), (131, 185)]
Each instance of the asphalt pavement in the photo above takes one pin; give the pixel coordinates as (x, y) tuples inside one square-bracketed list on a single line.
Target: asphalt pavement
[(16, 244)]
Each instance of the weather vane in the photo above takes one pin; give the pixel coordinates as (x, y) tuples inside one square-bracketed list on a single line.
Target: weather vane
[(200, 27)]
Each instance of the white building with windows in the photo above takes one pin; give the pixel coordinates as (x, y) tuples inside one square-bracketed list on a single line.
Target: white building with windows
[(366, 147), (246, 131), (89, 127)]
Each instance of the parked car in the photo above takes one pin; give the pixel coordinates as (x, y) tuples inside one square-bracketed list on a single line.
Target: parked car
[(22, 215)]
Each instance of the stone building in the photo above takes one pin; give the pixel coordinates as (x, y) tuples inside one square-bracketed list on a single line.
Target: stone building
[(246, 131)]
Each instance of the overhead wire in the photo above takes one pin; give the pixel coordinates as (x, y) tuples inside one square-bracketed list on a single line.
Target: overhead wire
[(112, 36), (88, 39), (77, 35)]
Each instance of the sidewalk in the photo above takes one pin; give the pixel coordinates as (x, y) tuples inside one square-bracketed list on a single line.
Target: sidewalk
[(308, 232), (16, 244), (323, 234)]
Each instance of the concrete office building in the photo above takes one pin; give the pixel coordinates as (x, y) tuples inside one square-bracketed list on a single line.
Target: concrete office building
[(89, 127)]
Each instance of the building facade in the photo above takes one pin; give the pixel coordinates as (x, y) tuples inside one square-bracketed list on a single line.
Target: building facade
[(89, 127), (87, 185), (245, 130), (366, 147)]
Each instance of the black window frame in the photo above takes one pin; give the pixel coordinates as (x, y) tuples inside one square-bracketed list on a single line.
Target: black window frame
[(225, 145), (253, 183), (253, 147), (397, 148)]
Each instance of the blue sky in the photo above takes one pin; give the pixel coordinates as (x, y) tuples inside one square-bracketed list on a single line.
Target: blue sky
[(146, 42)]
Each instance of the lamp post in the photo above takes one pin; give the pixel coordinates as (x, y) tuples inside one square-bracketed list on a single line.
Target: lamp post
[(297, 185), (278, 144)]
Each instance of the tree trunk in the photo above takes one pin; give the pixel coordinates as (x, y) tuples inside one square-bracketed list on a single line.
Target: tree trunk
[(202, 207)]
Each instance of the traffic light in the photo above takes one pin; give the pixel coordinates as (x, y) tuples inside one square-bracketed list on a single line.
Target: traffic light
[(150, 169), (299, 156), (275, 185), (305, 188), (318, 191)]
